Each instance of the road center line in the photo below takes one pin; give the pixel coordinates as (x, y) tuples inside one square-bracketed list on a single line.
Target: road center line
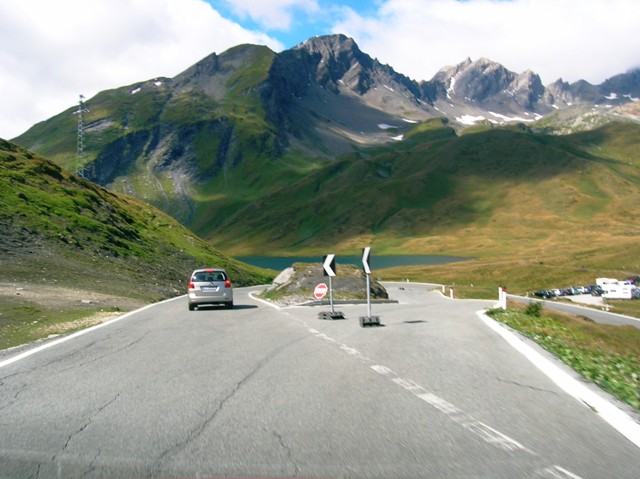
[(485, 432), (481, 430)]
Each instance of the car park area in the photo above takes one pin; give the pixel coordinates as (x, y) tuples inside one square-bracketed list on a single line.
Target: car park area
[(605, 288)]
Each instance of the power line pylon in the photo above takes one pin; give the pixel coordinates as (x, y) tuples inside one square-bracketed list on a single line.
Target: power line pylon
[(80, 170)]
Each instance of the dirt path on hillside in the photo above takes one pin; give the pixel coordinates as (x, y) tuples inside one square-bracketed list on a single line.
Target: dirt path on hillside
[(57, 297)]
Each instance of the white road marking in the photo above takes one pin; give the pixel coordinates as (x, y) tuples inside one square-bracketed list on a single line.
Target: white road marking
[(557, 472), (440, 404), (381, 369), (64, 339), (483, 431), (268, 303), (617, 418), (493, 436)]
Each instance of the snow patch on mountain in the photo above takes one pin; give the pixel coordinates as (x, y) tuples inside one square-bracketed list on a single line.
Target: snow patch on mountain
[(469, 119), (514, 118)]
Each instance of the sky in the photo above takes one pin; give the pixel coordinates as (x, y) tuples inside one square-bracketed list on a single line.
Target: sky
[(51, 51)]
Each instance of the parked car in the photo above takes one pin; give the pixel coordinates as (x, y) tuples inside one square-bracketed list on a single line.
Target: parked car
[(545, 293), (210, 286), (596, 290)]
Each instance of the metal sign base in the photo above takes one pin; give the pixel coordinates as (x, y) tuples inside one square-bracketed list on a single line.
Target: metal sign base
[(331, 315), (370, 321)]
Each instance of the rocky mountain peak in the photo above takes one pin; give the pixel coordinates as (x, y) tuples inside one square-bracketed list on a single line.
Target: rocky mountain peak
[(337, 59), (328, 45), (623, 85), (210, 73)]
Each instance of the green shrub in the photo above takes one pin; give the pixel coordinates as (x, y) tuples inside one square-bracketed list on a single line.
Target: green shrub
[(534, 309)]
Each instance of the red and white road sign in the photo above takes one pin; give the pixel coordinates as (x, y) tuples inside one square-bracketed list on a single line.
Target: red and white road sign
[(320, 291)]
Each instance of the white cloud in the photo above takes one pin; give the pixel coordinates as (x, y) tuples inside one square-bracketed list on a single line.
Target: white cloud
[(572, 39), (52, 51), (273, 14)]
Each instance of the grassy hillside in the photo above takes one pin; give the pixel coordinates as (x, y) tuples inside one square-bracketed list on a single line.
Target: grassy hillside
[(164, 139), (500, 192), (70, 237)]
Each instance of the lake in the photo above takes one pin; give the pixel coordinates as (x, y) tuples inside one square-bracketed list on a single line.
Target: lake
[(375, 262)]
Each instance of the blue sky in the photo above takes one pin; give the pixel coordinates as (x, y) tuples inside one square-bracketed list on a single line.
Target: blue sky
[(299, 20), (53, 50)]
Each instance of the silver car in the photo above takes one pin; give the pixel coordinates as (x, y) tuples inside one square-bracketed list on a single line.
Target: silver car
[(210, 286)]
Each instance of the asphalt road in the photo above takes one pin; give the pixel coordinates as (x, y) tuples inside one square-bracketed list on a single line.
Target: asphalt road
[(257, 391), (577, 310)]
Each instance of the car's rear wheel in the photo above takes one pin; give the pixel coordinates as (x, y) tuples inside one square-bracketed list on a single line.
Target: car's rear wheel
[(229, 305), (192, 307)]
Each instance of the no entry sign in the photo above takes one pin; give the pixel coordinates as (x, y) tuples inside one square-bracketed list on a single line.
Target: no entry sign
[(320, 291)]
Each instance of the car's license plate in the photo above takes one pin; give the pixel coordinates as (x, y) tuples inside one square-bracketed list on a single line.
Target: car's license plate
[(209, 289)]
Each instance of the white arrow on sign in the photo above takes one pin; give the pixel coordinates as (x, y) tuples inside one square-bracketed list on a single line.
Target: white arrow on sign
[(328, 263), (365, 259)]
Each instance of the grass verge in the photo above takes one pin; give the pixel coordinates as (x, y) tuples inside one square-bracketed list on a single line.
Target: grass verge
[(26, 323), (607, 355)]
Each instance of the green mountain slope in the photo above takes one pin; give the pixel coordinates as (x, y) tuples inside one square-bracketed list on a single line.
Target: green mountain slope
[(164, 139), (502, 191), (239, 149), (58, 228)]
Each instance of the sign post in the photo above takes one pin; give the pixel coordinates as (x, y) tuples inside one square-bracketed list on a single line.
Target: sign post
[(368, 320), (329, 266)]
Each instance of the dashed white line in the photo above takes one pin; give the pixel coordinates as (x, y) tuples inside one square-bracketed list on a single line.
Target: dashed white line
[(481, 430)]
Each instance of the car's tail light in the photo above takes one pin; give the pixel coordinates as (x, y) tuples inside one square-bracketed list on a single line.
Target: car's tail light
[(227, 283), (191, 285)]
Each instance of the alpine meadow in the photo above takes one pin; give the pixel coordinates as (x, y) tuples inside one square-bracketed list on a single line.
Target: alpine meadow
[(322, 147)]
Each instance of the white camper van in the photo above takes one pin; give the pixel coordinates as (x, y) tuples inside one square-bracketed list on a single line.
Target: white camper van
[(614, 289)]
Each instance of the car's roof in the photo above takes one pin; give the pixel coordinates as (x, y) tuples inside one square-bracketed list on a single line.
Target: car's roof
[(209, 270)]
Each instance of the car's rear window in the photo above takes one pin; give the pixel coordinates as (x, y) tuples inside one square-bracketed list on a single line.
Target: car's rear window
[(208, 276)]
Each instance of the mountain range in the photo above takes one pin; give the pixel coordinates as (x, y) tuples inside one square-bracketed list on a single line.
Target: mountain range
[(260, 151)]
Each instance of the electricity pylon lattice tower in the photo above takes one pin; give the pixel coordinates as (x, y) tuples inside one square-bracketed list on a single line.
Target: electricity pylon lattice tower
[(80, 143)]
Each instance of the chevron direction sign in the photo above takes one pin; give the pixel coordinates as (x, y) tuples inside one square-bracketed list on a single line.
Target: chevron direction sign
[(366, 252), (329, 264)]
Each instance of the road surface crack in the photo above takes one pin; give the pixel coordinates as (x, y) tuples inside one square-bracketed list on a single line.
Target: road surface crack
[(528, 386), (92, 466), (198, 430), (107, 354), (288, 451), (14, 399), (84, 426)]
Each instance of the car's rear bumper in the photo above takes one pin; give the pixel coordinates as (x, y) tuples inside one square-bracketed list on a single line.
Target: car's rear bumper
[(196, 299)]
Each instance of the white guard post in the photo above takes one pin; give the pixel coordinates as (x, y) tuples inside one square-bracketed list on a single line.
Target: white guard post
[(502, 297)]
